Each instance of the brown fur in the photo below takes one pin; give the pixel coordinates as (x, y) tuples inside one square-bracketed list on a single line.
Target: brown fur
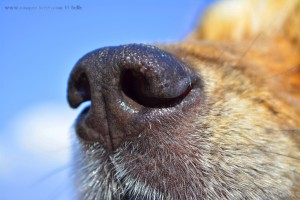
[(259, 72), (243, 142)]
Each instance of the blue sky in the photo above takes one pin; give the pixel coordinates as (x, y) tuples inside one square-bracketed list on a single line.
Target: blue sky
[(40, 43)]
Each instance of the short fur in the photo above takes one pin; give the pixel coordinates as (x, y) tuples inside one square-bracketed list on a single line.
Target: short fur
[(243, 141)]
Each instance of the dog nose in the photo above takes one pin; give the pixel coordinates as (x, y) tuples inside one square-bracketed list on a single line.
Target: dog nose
[(130, 88)]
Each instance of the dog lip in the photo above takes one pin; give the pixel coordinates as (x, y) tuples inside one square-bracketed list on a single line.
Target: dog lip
[(83, 130)]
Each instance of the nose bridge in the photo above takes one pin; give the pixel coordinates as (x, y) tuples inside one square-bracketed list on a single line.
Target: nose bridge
[(122, 82)]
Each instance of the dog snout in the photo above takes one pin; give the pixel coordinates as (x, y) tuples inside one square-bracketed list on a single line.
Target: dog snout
[(128, 86)]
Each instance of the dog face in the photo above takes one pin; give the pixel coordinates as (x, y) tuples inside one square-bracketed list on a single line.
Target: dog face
[(216, 116)]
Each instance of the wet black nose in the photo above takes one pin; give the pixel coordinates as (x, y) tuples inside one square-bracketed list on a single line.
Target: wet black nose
[(129, 87)]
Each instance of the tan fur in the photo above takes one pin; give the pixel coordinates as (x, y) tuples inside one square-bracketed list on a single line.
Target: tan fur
[(238, 20), (250, 57), (263, 32)]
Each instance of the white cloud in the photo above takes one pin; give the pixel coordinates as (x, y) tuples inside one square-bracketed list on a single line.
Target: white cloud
[(35, 150), (44, 130)]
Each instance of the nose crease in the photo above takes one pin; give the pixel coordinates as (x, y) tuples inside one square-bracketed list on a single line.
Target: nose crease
[(109, 143)]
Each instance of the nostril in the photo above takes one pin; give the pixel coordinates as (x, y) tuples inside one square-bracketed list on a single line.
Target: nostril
[(134, 85), (131, 85), (83, 87), (79, 90)]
